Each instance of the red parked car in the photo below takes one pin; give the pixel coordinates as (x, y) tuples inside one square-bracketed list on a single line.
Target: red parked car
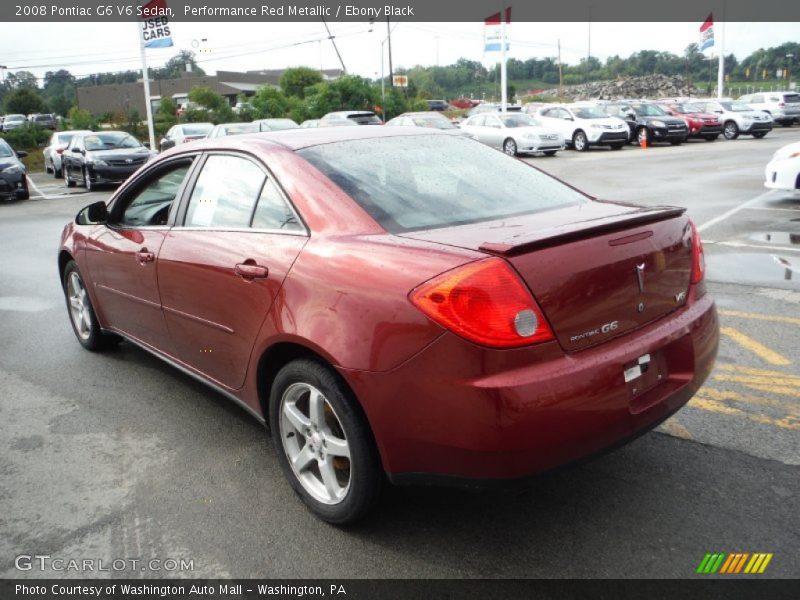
[(397, 301), (701, 124)]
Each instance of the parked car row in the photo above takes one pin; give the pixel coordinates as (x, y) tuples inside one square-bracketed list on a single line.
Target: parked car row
[(46, 120)]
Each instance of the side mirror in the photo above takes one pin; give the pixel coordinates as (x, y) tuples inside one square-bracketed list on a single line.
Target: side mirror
[(146, 144), (22, 154), (94, 214)]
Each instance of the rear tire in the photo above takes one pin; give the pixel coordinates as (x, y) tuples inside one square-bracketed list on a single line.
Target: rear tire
[(315, 420), (67, 181), (712, 138), (550, 152), (643, 134), (81, 312)]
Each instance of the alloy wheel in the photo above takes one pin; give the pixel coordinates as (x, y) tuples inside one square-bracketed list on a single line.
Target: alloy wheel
[(315, 443), (510, 147), (79, 308)]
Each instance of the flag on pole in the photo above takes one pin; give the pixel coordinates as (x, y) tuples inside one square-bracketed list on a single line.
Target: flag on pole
[(707, 33), (492, 32)]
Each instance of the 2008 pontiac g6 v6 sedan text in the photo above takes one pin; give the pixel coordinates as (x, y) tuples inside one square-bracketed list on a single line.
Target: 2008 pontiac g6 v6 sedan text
[(398, 302)]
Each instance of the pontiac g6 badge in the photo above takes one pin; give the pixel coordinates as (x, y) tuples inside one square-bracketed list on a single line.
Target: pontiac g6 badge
[(639, 270)]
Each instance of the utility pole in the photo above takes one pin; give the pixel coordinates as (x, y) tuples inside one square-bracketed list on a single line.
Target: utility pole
[(389, 37), (331, 38)]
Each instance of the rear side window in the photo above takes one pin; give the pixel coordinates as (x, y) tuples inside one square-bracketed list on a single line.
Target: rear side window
[(429, 181), (272, 212), (225, 193)]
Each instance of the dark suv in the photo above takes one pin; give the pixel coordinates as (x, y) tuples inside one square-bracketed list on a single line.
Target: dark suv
[(439, 105), (47, 121), (649, 121)]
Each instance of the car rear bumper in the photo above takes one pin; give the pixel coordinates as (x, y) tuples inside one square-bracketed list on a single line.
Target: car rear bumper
[(458, 411)]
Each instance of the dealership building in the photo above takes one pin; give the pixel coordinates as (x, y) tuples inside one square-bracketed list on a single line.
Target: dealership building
[(124, 97)]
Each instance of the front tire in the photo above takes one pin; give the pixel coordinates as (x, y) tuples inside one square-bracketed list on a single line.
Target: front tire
[(87, 181), (712, 138), (580, 141), (550, 152), (323, 442), (81, 312), (510, 147), (759, 134), (617, 146), (643, 135), (731, 130)]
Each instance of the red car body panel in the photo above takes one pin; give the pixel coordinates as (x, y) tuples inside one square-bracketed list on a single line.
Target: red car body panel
[(436, 403), (700, 124)]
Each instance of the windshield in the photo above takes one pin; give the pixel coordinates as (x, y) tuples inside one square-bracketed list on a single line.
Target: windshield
[(589, 112), (5, 149), (237, 129), (429, 181), (197, 129), (516, 120), (15, 118), (110, 141), (735, 106), (280, 124), (649, 110), (435, 121), (688, 108)]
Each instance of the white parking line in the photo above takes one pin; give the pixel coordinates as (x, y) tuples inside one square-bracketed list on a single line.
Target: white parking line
[(730, 213), (734, 244), (36, 189)]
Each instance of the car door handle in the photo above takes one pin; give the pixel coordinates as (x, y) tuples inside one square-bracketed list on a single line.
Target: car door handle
[(145, 256), (248, 270)]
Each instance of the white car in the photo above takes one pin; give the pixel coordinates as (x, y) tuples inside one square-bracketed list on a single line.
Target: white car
[(55, 148), (513, 133), (783, 107), (183, 133), (585, 126), (783, 171), (226, 129), (738, 118)]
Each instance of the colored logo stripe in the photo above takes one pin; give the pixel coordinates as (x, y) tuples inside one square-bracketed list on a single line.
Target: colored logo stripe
[(734, 563)]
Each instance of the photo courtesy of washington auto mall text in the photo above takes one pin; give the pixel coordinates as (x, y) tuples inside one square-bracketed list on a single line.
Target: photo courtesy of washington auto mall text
[(413, 299)]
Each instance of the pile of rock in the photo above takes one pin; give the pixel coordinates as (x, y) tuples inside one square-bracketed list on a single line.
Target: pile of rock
[(647, 86)]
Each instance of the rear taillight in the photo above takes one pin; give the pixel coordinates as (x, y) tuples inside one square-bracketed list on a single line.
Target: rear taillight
[(781, 104), (484, 302), (698, 256), (59, 151)]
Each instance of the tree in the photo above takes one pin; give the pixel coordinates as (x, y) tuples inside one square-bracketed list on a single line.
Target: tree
[(219, 108), (295, 81), (59, 91), (23, 101), (23, 80), (80, 119), (270, 103), (176, 65)]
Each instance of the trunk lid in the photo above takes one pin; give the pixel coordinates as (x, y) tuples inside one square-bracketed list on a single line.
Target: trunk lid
[(597, 270)]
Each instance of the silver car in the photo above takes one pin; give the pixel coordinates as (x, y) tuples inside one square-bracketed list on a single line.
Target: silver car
[(783, 107), (55, 148), (275, 124), (226, 129), (514, 134), (13, 121)]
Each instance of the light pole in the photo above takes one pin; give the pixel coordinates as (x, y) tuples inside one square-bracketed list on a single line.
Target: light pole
[(789, 57), (383, 78)]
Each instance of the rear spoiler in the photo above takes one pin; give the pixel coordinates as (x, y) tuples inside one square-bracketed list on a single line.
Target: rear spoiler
[(582, 229)]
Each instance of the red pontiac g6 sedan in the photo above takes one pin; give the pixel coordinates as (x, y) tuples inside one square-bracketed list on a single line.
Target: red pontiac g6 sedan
[(401, 302)]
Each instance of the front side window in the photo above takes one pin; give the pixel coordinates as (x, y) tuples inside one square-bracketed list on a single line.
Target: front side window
[(150, 206), (429, 181), (225, 193)]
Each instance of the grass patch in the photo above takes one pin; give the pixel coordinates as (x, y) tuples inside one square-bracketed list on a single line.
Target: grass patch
[(34, 162)]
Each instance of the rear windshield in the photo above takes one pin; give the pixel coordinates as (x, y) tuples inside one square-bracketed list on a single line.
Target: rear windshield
[(201, 129), (364, 118), (411, 183), (791, 98)]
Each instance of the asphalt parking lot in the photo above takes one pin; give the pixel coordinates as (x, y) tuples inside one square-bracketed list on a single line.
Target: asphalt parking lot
[(120, 456)]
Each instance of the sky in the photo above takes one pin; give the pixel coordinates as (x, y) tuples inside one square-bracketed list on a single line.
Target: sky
[(84, 48)]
